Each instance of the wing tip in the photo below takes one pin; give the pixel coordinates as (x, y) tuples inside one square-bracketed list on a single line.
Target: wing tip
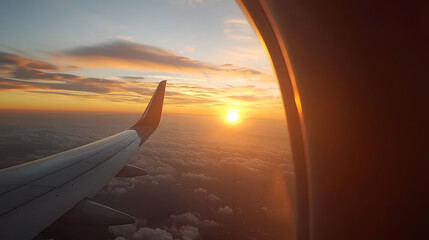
[(151, 117)]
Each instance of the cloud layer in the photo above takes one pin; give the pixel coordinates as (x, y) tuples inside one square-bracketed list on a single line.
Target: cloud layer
[(205, 181)]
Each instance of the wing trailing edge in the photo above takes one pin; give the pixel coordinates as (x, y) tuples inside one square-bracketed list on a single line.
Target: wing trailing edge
[(91, 213), (131, 171)]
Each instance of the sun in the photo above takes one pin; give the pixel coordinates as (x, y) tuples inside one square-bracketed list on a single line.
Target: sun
[(232, 116)]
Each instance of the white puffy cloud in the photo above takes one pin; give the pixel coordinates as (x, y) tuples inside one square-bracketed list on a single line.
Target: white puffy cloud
[(213, 198), (189, 232), (164, 177), (190, 219), (185, 219), (225, 210), (209, 223), (186, 225), (204, 192), (123, 230), (200, 191), (198, 176), (118, 186), (264, 209), (152, 234)]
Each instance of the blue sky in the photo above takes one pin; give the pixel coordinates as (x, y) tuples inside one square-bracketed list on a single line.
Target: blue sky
[(49, 25)]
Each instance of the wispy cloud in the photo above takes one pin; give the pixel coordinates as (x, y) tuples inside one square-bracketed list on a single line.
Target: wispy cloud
[(187, 2), (125, 37), (195, 1), (130, 55), (11, 84), (238, 29), (7, 60), (132, 78)]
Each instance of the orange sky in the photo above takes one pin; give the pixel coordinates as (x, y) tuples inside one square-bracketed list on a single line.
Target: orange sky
[(217, 102), (206, 75)]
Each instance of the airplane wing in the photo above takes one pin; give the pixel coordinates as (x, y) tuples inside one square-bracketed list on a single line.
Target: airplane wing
[(35, 194)]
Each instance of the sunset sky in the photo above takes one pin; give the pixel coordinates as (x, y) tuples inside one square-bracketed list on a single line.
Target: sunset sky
[(208, 178), (110, 55)]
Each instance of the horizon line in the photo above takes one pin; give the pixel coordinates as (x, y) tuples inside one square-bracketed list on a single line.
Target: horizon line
[(123, 112)]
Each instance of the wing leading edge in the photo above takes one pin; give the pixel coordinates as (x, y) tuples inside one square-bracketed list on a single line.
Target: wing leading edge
[(35, 194)]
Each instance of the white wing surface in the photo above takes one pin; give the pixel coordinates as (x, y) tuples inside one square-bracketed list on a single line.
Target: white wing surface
[(35, 194)]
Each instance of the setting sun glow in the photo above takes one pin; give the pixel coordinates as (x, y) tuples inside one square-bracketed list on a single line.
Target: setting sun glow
[(232, 116)]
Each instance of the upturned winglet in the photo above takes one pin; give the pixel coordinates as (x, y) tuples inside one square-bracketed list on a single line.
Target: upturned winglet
[(152, 115)]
